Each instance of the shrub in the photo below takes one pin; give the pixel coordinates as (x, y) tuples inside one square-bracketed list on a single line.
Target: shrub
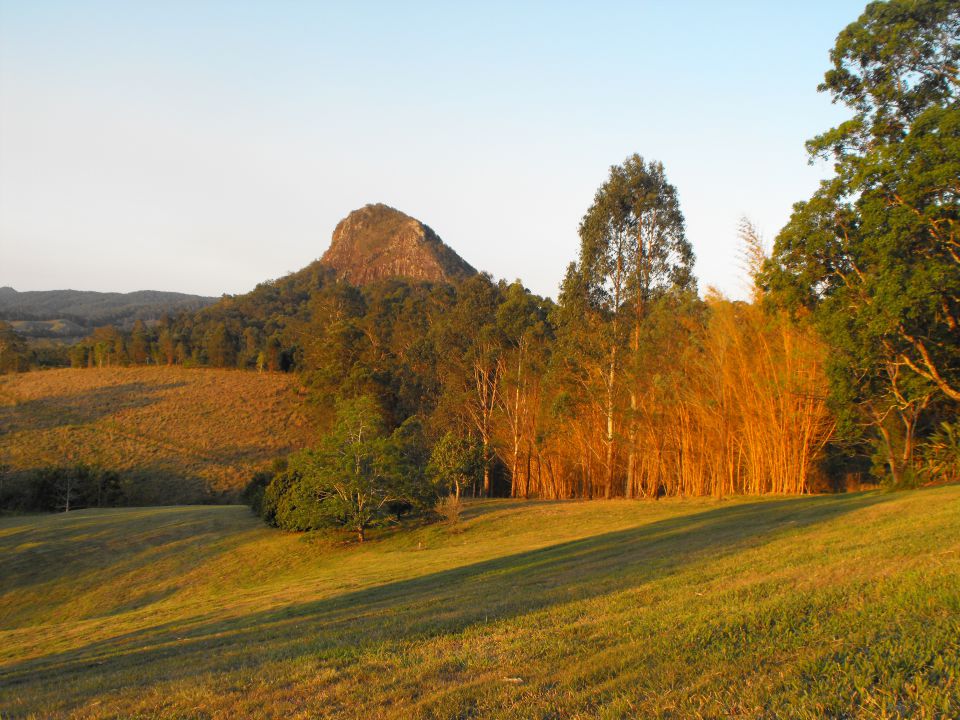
[(941, 454), (449, 507)]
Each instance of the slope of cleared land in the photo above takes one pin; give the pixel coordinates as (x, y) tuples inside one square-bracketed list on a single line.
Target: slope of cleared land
[(811, 607), (179, 435)]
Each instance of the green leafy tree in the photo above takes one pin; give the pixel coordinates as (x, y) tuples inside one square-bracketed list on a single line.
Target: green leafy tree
[(633, 249), (359, 477), (875, 253), (456, 463)]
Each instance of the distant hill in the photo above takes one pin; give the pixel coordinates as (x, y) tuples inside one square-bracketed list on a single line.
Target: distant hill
[(71, 314), (378, 242)]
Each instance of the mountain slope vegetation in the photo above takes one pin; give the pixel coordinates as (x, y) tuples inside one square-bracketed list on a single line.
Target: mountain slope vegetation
[(810, 607)]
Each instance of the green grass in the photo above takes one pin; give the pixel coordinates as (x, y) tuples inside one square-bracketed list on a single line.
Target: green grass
[(832, 606)]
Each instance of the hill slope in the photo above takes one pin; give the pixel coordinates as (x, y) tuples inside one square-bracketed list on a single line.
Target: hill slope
[(834, 606), (70, 314), (179, 435), (378, 242)]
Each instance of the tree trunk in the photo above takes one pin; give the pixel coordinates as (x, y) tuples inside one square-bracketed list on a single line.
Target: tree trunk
[(632, 453), (486, 469), (609, 438), (893, 462)]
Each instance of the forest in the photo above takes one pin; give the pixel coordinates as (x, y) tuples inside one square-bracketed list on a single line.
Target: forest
[(842, 368)]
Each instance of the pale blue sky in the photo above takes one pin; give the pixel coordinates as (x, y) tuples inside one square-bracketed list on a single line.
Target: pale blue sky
[(205, 146)]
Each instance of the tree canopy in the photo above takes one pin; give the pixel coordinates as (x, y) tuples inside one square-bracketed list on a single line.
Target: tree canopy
[(874, 253)]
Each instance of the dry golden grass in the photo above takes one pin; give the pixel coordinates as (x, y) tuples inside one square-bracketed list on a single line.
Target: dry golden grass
[(179, 435)]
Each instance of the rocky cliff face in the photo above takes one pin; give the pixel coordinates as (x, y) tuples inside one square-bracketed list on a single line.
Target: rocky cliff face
[(378, 242)]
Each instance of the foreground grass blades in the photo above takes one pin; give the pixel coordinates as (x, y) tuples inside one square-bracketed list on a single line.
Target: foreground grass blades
[(835, 606)]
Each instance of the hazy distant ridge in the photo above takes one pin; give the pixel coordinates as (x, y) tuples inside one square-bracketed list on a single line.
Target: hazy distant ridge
[(71, 313)]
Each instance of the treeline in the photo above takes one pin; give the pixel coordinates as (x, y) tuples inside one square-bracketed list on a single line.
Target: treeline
[(245, 332), (581, 398), (15, 355), (844, 366), (61, 488)]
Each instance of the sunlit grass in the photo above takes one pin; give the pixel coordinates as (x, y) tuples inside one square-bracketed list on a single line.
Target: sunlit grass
[(840, 606)]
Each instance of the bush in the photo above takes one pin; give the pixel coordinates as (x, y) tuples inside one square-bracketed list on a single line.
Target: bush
[(941, 454), (449, 508), (254, 493)]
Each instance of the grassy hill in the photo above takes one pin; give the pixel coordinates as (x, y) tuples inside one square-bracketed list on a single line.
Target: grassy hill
[(177, 435), (810, 607)]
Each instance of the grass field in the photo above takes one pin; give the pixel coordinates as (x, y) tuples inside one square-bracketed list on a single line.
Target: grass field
[(179, 435), (810, 607)]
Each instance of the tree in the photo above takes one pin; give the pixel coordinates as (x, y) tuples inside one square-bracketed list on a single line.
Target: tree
[(139, 344), (633, 250), (456, 463), (166, 346), (875, 253), (471, 345), (360, 476), (14, 356), (219, 346), (107, 347), (521, 321)]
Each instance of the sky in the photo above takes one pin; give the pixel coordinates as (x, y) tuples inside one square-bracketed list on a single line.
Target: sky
[(204, 146)]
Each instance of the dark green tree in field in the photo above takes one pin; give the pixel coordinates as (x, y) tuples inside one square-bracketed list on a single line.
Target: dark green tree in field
[(359, 477), (874, 255)]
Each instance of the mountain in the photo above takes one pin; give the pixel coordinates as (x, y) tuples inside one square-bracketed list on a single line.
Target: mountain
[(70, 314), (378, 242)]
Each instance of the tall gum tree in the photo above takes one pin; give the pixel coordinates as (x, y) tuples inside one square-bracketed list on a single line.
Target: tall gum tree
[(874, 253), (633, 250)]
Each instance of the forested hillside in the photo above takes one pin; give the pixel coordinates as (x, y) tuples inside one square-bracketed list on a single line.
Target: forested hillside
[(72, 314), (843, 367)]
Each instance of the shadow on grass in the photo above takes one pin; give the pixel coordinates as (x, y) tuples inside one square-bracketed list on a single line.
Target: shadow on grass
[(79, 408), (96, 547), (439, 603)]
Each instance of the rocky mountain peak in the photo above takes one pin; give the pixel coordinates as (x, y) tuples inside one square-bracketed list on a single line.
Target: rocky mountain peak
[(378, 242)]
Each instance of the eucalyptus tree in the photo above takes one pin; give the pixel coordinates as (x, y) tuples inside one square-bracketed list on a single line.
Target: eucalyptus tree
[(633, 250), (875, 252)]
